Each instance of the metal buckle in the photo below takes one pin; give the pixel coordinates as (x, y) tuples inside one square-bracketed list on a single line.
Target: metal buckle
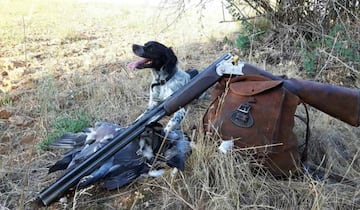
[(242, 116), (162, 81), (244, 108)]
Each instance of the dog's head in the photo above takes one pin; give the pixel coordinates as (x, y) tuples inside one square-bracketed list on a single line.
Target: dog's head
[(155, 55)]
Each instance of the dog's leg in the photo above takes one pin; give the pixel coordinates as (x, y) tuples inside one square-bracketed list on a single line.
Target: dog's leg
[(174, 122), (151, 105), (154, 98)]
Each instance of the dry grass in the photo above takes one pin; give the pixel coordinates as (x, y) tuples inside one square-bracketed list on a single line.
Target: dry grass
[(62, 58)]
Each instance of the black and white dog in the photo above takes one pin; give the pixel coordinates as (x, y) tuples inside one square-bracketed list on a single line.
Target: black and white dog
[(167, 76)]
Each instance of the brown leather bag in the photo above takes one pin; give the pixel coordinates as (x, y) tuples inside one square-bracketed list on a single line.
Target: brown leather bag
[(257, 113)]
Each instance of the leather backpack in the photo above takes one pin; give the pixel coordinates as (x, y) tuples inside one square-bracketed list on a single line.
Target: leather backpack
[(257, 113)]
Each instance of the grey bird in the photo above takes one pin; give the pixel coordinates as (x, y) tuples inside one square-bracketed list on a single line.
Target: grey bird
[(135, 159)]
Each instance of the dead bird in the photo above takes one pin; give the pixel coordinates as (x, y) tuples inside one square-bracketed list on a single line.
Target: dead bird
[(139, 157)]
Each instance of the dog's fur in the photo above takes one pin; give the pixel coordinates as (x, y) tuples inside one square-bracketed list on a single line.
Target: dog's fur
[(167, 76)]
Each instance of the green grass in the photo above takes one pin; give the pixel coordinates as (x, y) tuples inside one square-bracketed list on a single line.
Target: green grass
[(73, 122), (5, 99)]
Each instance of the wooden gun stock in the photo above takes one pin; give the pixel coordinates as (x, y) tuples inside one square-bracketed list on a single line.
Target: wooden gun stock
[(339, 102)]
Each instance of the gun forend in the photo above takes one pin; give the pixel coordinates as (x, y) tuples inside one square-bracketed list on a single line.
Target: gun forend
[(199, 84)]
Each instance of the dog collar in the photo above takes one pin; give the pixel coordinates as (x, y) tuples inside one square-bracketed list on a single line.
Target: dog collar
[(163, 81)]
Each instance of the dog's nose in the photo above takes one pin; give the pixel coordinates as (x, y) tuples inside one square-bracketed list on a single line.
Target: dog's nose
[(135, 47), (138, 49)]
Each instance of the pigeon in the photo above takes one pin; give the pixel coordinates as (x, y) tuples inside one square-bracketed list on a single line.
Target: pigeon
[(142, 156), (178, 150)]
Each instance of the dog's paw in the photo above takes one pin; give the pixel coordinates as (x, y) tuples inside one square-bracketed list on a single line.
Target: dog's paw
[(86, 180), (175, 121), (167, 130), (171, 125)]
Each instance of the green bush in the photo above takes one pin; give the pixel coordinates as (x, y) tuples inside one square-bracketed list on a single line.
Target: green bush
[(248, 32), (343, 46), (242, 42), (336, 43), (309, 61)]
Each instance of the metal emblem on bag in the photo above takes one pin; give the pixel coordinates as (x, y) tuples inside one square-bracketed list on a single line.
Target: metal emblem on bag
[(242, 116)]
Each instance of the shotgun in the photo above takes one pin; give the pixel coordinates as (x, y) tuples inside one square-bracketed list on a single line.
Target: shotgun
[(180, 98), (340, 102)]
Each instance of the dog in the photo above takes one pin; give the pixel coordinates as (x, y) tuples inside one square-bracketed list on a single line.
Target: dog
[(167, 76)]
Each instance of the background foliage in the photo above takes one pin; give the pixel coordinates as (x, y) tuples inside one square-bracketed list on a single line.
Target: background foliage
[(322, 36)]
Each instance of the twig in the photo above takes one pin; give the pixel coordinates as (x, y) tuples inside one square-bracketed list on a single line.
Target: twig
[(260, 147), (339, 17), (342, 62), (328, 59), (347, 10), (180, 10), (161, 146), (175, 193), (244, 18)]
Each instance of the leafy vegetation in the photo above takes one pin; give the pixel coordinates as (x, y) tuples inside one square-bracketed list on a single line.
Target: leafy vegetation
[(309, 61), (248, 34), (335, 45)]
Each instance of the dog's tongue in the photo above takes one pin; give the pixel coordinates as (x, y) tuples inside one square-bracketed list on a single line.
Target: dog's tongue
[(135, 64)]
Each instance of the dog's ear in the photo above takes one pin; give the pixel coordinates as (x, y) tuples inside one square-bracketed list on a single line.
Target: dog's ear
[(171, 60)]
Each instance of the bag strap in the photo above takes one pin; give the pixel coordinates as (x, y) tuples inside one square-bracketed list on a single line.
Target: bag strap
[(307, 133)]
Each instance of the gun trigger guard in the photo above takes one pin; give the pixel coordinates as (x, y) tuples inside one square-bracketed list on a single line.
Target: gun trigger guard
[(229, 68)]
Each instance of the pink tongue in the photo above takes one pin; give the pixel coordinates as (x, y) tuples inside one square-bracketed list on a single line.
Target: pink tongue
[(135, 64)]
